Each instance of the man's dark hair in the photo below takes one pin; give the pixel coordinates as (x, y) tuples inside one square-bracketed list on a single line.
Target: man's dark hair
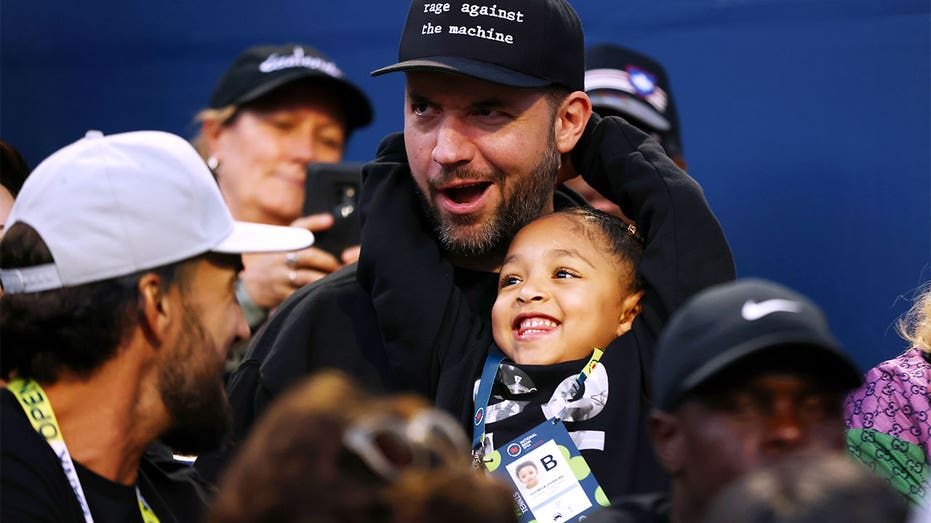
[(72, 328), (555, 94)]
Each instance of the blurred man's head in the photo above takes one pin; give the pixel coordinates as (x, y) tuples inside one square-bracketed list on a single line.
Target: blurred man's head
[(488, 114), (349, 456), (746, 373)]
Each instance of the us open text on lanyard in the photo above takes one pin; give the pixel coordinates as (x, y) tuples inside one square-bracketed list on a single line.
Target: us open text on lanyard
[(486, 383), (39, 411)]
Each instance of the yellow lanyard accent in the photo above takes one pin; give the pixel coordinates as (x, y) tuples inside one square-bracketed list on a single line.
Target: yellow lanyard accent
[(148, 515), (39, 411), (592, 363)]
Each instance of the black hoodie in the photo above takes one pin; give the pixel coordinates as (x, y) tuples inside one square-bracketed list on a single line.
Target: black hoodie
[(433, 330)]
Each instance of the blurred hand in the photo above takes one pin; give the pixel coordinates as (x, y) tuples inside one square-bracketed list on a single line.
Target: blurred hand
[(270, 278), (351, 254)]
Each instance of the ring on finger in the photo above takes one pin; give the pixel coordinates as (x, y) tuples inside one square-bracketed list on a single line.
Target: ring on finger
[(291, 259), (292, 278)]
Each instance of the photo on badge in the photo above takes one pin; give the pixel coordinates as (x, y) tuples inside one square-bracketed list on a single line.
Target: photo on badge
[(551, 480)]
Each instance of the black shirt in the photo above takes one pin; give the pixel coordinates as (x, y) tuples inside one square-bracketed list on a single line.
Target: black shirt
[(34, 488)]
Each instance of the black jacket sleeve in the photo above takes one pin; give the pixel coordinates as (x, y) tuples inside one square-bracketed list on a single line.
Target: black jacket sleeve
[(412, 286), (685, 249)]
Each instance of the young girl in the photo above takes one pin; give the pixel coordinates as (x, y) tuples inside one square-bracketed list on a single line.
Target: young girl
[(573, 285)]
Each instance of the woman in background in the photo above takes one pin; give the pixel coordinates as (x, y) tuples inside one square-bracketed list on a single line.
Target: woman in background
[(274, 111)]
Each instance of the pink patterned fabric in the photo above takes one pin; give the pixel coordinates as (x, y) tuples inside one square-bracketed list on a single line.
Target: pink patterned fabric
[(894, 399)]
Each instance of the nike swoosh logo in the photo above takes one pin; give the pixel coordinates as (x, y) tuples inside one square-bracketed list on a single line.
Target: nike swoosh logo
[(752, 311)]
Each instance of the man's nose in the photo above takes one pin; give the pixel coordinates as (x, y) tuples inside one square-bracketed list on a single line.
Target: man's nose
[(453, 146), (784, 430)]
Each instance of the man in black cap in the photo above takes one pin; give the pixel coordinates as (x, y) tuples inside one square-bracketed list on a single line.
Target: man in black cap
[(495, 116), (746, 373)]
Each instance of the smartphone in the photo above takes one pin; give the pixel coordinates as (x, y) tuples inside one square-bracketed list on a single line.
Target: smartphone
[(334, 188)]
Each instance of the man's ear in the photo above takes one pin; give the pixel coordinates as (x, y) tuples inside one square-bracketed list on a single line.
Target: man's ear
[(668, 440), (571, 118), (155, 309), (630, 309)]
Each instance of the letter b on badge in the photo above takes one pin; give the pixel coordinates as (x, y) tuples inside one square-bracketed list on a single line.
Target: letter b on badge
[(548, 462)]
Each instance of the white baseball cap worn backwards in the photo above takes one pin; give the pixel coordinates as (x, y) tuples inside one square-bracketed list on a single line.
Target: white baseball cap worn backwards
[(109, 206)]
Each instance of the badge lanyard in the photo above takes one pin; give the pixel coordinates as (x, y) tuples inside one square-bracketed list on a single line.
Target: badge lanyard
[(486, 382), (39, 411)]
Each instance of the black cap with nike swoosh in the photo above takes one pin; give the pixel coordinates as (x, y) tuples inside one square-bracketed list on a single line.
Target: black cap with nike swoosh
[(727, 323)]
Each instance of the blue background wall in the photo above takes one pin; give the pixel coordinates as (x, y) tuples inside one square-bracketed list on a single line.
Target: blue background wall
[(806, 121)]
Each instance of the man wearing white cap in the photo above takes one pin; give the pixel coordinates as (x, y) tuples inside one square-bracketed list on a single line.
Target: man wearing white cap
[(119, 265)]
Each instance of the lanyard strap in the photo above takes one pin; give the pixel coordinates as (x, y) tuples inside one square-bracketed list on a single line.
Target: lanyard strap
[(486, 382), (39, 411), (148, 515)]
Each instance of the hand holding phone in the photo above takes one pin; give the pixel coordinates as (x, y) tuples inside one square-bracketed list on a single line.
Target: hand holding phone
[(333, 188)]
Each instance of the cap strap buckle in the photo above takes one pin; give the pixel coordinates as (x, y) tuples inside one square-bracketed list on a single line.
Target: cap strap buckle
[(30, 279)]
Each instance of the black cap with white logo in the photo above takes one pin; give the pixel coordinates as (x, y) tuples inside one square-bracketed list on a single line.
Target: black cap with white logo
[(728, 323), (520, 43), (262, 69)]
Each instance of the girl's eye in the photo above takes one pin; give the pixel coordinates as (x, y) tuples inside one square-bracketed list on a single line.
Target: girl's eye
[(565, 273), (507, 281)]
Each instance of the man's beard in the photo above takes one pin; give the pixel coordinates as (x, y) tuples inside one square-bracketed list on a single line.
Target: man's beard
[(195, 397), (464, 235)]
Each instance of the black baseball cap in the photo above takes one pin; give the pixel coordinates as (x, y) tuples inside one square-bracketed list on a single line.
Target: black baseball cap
[(631, 84), (262, 69), (731, 322), (520, 43)]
